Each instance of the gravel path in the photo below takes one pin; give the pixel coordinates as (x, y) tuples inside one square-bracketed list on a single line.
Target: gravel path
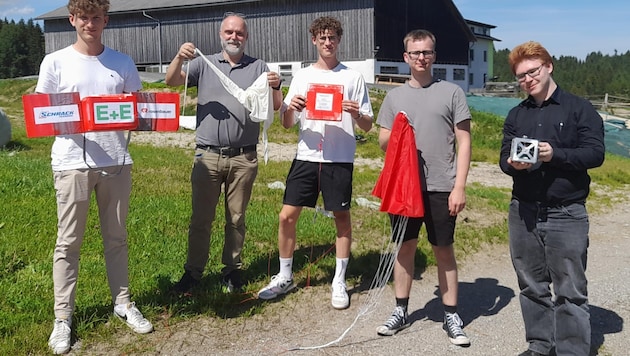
[(488, 305)]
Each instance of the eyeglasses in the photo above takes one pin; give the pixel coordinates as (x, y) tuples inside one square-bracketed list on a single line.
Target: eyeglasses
[(323, 39), (416, 54), (533, 73), (230, 13)]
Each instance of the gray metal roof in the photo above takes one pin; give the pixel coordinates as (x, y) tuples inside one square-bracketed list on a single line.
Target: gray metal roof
[(122, 6)]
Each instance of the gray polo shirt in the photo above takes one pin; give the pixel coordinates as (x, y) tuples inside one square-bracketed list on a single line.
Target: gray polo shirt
[(221, 119)]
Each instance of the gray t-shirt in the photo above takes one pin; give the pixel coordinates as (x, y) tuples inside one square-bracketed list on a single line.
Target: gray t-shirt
[(433, 112), (221, 119)]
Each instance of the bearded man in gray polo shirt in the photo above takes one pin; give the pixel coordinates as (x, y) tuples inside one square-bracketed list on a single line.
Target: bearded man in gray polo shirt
[(225, 151)]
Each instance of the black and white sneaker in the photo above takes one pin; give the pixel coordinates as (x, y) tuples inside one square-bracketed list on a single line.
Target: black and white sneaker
[(396, 322), (130, 314), (232, 282), (453, 327)]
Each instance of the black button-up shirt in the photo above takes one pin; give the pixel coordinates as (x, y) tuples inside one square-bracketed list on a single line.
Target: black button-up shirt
[(574, 130)]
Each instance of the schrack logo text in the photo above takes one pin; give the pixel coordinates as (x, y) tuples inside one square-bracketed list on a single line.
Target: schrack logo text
[(56, 114)]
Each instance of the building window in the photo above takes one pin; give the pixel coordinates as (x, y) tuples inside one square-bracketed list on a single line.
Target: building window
[(485, 56), (389, 70), (472, 55), (439, 73), (471, 79), (459, 74)]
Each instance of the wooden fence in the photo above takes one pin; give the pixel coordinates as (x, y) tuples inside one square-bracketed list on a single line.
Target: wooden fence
[(614, 105)]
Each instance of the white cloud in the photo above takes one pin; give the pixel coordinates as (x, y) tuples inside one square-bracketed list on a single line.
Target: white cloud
[(16, 12)]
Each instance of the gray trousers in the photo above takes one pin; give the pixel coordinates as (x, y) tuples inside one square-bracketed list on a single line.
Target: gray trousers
[(549, 251), (212, 171), (74, 189)]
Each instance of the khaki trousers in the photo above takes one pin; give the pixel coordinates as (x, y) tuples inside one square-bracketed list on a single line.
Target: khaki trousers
[(112, 186), (212, 171)]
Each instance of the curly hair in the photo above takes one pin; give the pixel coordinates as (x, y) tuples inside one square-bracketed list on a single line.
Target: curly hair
[(320, 25), (88, 6), (528, 50)]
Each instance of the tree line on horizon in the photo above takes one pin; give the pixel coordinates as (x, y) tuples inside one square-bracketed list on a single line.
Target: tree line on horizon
[(22, 48), (596, 75)]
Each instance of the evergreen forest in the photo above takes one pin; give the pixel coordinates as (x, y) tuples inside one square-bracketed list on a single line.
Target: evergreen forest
[(21, 48), (596, 75)]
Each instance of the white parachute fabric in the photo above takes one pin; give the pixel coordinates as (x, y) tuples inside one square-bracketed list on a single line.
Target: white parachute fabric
[(257, 99)]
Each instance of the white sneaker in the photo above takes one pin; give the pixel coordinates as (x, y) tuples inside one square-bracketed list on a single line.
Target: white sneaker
[(278, 285), (59, 340), (130, 314), (340, 299)]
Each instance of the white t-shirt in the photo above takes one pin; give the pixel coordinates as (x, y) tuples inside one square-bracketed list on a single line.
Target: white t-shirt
[(329, 141), (111, 72)]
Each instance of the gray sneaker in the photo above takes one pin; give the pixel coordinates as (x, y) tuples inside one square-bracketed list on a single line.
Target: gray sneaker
[(278, 285), (453, 327), (396, 322), (59, 340), (130, 314)]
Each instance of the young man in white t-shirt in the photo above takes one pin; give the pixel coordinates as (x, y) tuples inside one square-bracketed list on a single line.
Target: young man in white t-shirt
[(325, 156), (94, 161)]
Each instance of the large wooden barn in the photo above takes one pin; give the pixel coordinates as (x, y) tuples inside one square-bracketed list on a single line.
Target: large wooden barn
[(151, 32)]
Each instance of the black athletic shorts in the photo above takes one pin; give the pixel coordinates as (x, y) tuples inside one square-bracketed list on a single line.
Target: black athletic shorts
[(307, 179), (439, 223)]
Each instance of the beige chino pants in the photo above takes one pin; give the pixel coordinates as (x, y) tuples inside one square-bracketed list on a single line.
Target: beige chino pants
[(112, 186)]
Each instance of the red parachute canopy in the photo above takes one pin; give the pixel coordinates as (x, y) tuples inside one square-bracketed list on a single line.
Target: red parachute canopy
[(398, 185)]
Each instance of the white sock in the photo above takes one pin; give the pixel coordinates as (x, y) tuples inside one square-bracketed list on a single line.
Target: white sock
[(286, 267), (340, 269)]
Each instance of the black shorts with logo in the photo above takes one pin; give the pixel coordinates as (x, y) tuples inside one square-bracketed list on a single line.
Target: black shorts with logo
[(307, 179)]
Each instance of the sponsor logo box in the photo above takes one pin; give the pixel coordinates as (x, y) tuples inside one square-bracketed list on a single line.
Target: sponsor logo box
[(157, 111), (52, 114), (114, 112)]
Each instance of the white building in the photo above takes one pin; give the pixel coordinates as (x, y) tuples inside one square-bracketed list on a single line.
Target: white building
[(481, 55)]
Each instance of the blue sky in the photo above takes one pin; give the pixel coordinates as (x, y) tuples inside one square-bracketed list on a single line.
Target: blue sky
[(565, 27), (27, 9)]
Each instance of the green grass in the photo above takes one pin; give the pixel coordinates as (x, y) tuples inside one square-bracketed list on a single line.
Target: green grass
[(158, 224)]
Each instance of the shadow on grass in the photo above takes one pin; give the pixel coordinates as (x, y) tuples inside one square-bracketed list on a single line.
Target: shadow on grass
[(313, 266), (15, 146)]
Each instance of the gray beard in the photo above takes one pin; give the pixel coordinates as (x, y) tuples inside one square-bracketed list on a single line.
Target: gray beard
[(233, 50)]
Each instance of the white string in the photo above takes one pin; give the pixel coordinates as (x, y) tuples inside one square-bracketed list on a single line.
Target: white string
[(389, 251), (185, 88)]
